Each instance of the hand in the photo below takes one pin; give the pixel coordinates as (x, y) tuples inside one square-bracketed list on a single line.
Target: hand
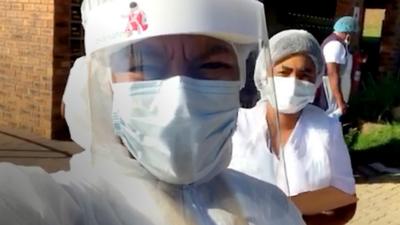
[(342, 106), (337, 216)]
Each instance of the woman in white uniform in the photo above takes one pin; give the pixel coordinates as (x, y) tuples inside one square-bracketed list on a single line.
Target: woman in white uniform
[(170, 93), (305, 155)]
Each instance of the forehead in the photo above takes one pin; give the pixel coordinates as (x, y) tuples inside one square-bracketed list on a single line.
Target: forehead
[(299, 59), (186, 43), (184, 38)]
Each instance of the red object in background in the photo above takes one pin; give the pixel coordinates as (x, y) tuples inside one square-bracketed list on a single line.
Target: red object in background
[(358, 60)]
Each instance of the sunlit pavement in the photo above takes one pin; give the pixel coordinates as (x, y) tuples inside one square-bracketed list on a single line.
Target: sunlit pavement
[(379, 202)]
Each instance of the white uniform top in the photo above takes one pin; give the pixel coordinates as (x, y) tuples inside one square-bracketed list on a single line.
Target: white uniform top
[(316, 155), (335, 52), (122, 192)]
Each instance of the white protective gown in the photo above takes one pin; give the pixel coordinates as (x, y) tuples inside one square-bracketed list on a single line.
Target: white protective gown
[(316, 155), (124, 193)]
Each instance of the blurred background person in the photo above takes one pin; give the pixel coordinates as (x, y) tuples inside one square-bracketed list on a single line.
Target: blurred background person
[(339, 61)]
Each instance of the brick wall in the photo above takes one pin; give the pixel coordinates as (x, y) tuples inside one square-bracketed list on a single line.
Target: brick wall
[(34, 65), (61, 64), (26, 65), (390, 43), (344, 8)]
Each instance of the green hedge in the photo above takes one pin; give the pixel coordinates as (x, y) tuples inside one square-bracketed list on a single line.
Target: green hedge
[(373, 136), (377, 97)]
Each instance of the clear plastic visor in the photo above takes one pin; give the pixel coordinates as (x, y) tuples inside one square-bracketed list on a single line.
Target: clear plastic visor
[(158, 58), (198, 57)]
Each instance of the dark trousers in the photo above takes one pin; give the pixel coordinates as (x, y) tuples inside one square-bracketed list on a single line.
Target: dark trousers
[(339, 216)]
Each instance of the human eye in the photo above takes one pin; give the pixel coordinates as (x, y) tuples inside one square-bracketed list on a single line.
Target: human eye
[(149, 71), (308, 77), (214, 70), (214, 65), (282, 74)]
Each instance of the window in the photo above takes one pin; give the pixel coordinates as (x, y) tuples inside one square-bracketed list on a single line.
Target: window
[(373, 22)]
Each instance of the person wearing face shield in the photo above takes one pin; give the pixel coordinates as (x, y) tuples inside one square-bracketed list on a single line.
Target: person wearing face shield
[(304, 154), (339, 62), (163, 108)]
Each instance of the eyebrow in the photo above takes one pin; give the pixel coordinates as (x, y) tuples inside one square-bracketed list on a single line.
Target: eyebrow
[(153, 52), (215, 50), (134, 52), (306, 70)]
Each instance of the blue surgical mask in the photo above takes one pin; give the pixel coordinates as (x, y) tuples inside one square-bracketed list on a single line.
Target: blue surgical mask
[(180, 128)]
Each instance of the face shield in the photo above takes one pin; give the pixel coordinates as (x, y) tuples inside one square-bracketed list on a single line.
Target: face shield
[(165, 78)]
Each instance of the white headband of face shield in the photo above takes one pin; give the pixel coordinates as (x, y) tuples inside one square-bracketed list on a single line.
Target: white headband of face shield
[(240, 22), (231, 20)]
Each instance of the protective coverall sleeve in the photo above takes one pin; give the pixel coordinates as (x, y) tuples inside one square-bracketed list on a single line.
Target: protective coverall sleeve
[(29, 196)]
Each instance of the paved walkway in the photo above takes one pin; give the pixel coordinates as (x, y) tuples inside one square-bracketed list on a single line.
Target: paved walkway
[(379, 202), (379, 199), (26, 149)]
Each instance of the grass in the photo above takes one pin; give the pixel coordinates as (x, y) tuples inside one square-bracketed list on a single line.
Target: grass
[(375, 143), (374, 135)]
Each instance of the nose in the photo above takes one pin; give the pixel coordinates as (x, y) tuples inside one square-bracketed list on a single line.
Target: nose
[(295, 73), (178, 62), (177, 66)]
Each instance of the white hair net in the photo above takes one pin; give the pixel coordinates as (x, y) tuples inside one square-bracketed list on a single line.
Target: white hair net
[(286, 43)]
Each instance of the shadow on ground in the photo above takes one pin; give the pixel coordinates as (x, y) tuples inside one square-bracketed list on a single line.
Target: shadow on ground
[(387, 155)]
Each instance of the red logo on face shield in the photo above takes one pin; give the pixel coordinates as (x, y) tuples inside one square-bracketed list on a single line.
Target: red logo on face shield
[(136, 20)]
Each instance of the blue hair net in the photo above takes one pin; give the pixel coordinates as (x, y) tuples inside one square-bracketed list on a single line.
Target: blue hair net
[(346, 24)]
